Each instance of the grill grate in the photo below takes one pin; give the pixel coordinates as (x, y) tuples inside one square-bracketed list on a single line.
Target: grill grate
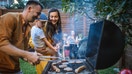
[(74, 65)]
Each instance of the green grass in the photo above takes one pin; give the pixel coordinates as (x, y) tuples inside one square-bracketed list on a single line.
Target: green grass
[(107, 71), (29, 69)]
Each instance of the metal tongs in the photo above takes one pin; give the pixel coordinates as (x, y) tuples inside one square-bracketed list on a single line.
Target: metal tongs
[(48, 58)]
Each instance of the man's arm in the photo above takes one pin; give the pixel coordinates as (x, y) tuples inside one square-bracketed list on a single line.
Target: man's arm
[(13, 51)]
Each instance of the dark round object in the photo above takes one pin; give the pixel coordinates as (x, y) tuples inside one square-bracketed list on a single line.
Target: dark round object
[(107, 42)]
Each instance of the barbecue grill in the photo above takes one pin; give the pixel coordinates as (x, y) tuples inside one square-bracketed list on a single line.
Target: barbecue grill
[(105, 46)]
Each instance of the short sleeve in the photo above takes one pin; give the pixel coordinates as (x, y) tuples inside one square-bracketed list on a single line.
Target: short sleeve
[(41, 34)]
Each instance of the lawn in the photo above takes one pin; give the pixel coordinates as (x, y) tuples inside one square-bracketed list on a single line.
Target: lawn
[(108, 71), (29, 69)]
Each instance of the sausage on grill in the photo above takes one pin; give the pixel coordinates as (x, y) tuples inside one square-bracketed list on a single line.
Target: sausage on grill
[(79, 69), (55, 68)]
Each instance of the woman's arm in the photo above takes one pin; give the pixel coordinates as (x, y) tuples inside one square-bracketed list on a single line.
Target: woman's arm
[(49, 44)]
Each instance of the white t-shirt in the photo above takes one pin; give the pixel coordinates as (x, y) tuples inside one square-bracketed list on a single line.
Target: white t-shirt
[(37, 35)]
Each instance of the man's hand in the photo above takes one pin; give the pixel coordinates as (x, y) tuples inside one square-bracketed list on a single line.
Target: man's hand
[(32, 58), (37, 54)]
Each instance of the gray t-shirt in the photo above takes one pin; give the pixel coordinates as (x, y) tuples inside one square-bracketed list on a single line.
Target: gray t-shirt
[(37, 35)]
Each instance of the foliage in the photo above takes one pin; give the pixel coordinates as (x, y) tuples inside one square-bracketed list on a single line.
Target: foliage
[(19, 5), (46, 3), (78, 6), (51, 3), (118, 11), (108, 71)]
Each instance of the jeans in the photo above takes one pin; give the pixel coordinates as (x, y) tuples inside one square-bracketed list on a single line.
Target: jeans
[(73, 51)]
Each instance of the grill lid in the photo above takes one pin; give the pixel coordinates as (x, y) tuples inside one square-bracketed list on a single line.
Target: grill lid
[(105, 44)]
